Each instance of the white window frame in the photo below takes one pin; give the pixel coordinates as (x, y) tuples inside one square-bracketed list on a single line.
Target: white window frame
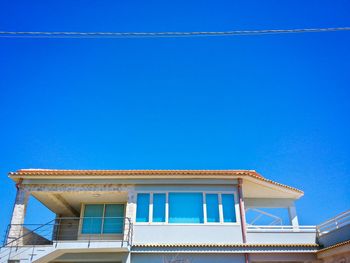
[(135, 211), (221, 214)]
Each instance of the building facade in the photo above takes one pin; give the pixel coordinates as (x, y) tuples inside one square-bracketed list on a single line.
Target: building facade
[(158, 216)]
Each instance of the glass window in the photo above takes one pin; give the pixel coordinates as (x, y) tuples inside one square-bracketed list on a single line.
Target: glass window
[(101, 218), (92, 221), (185, 208), (113, 220), (142, 210), (212, 202), (159, 207), (228, 206)]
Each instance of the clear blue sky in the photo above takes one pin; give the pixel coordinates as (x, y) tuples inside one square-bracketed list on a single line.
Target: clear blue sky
[(278, 104)]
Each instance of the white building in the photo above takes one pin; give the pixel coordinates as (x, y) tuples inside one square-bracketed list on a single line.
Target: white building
[(157, 216)]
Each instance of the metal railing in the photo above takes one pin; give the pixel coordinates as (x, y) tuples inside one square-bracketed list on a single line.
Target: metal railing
[(22, 239), (70, 229), (275, 220), (281, 228), (334, 223)]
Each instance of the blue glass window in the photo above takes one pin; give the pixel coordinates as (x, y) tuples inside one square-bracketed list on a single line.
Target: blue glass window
[(106, 219), (92, 221), (228, 207), (159, 207), (142, 211), (212, 202), (185, 208), (113, 221)]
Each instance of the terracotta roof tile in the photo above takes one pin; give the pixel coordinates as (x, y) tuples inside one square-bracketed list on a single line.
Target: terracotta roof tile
[(226, 245), (334, 246), (133, 172), (54, 172)]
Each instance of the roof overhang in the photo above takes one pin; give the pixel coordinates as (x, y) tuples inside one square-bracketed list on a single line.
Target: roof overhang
[(250, 177)]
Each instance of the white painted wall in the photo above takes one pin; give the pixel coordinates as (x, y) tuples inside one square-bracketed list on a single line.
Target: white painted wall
[(191, 233), (193, 258), (281, 238)]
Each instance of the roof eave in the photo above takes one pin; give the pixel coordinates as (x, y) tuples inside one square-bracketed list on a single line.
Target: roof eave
[(150, 175)]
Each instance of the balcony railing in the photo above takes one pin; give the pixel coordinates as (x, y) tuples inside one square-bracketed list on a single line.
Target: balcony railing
[(281, 228), (71, 229), (335, 223)]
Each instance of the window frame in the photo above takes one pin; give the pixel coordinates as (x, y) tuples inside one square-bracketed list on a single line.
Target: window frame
[(189, 192), (150, 207), (206, 210), (166, 216), (82, 213), (221, 214), (235, 211)]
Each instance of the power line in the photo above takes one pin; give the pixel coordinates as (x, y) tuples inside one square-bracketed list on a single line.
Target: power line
[(47, 34)]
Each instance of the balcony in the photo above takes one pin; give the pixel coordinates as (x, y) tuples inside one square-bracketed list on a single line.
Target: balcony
[(335, 230), (281, 234), (71, 229), (62, 235)]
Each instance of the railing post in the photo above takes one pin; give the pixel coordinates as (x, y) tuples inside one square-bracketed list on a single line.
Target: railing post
[(129, 231), (6, 234), (56, 232), (129, 212), (90, 230)]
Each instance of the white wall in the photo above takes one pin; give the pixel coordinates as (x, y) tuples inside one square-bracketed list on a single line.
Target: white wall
[(281, 238), (180, 234), (193, 258)]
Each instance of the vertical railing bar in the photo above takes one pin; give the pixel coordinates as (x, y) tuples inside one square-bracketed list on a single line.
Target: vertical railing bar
[(90, 230), (6, 234), (129, 231)]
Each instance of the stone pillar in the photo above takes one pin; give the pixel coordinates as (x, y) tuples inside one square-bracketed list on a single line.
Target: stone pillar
[(293, 216), (129, 215), (19, 210)]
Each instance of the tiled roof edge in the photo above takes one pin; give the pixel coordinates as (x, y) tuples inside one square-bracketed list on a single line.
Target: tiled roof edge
[(54, 172), (225, 245), (129, 172), (334, 246)]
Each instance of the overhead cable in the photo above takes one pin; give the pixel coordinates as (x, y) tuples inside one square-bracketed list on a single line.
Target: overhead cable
[(67, 34)]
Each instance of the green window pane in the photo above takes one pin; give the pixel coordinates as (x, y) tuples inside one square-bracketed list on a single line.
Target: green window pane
[(92, 221), (142, 210), (186, 208), (159, 207), (228, 207), (212, 208), (114, 219)]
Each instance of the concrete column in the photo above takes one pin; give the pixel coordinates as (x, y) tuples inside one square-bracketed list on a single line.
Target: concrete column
[(18, 215), (293, 216), (242, 211), (129, 214), (242, 216)]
